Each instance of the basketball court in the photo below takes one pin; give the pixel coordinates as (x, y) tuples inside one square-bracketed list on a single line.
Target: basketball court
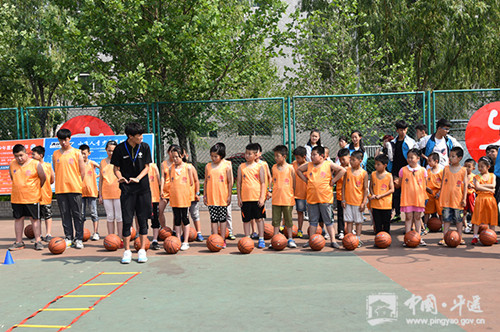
[(295, 289)]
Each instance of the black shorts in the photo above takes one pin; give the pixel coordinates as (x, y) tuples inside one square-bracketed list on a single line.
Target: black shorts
[(217, 213), (45, 211), (26, 210), (251, 210)]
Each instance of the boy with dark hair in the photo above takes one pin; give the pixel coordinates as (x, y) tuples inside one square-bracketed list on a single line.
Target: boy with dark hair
[(344, 158), (131, 160), (70, 172), (470, 166), (300, 154), (89, 190), (439, 142), (434, 180), (381, 189)]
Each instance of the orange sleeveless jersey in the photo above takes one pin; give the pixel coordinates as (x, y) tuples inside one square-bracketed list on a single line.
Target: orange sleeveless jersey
[(216, 184), (413, 186), (110, 186), (192, 188), (340, 183), (283, 194), (25, 182), (153, 183), (300, 185), (68, 178), (180, 190), (166, 180), (264, 164), (89, 188), (46, 198), (354, 187), (434, 182), (380, 187), (319, 190), (250, 182), (471, 181), (452, 190)]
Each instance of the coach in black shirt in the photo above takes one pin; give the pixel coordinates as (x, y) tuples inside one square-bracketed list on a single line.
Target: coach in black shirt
[(131, 161)]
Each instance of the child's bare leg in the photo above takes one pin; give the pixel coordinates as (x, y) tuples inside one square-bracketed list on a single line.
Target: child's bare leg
[(348, 227), (460, 229), (161, 215), (359, 226), (252, 222), (36, 229), (331, 230), (300, 219), (178, 231), (260, 227), (223, 226), (215, 229), (19, 227), (246, 228), (48, 226), (276, 230), (408, 222), (111, 227), (119, 226), (446, 227), (197, 226), (289, 232), (476, 230), (418, 221), (311, 230), (156, 232)]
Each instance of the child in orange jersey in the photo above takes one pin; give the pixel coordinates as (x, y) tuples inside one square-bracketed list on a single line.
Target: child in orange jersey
[(194, 209), (165, 186), (381, 189), (354, 193), (154, 184), (413, 182), (28, 178), (268, 179), (89, 190), (181, 180), (434, 178), (300, 187), (453, 194), (218, 188), (70, 171), (38, 153), (470, 165), (251, 191), (486, 210), (320, 176), (109, 192), (283, 188), (344, 159)]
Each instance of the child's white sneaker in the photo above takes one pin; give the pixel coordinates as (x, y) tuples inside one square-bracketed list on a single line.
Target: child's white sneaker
[(185, 246), (127, 257), (142, 258)]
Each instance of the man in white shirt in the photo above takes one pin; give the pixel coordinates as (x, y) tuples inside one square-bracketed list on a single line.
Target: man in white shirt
[(439, 142)]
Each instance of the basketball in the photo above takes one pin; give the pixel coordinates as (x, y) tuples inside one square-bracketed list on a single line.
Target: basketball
[(317, 242), (412, 239), (137, 244), (350, 241), (246, 245), (192, 234), (434, 224), (227, 232), (57, 245), (28, 231), (112, 242), (164, 233), (295, 231), (482, 228), (172, 244), (279, 241), (488, 237), (86, 235), (268, 231), (215, 243), (133, 233), (383, 240), (452, 239), (319, 230)]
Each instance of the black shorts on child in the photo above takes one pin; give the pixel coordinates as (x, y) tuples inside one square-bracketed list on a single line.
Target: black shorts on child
[(251, 210), (26, 210)]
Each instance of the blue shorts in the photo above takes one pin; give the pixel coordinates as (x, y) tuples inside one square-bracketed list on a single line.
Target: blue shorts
[(300, 205), (453, 216)]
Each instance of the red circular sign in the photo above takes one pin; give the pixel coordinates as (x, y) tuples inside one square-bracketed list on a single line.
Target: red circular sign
[(483, 129), (86, 125)]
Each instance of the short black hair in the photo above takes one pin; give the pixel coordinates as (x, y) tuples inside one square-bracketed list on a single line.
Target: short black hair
[(219, 149), (382, 158), (319, 149), (486, 160), (171, 147), (470, 160), (343, 138), (111, 142), (259, 147), (343, 152), (254, 147), (134, 128), (443, 123), (458, 150), (84, 147), (434, 156), (357, 154), (281, 149), (401, 124), (421, 126), (300, 151), (415, 151), (63, 133), (18, 148), (491, 147), (178, 149), (39, 149)]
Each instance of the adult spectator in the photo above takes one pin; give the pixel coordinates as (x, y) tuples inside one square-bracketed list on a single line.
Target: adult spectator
[(439, 142)]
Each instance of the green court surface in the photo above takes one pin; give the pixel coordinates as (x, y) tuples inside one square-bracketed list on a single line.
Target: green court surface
[(273, 292)]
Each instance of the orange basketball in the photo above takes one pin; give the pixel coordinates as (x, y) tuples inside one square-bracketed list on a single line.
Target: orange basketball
[(57, 245), (383, 240), (295, 231), (112, 242), (488, 237), (192, 234), (227, 232), (28, 231), (279, 241), (268, 231), (215, 243), (133, 233), (172, 244), (412, 239), (452, 239), (164, 233), (434, 224), (137, 244), (482, 228), (350, 241), (319, 230), (86, 235), (317, 242), (246, 245)]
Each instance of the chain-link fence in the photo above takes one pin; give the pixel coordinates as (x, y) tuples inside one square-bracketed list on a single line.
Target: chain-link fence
[(198, 125), (10, 126)]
